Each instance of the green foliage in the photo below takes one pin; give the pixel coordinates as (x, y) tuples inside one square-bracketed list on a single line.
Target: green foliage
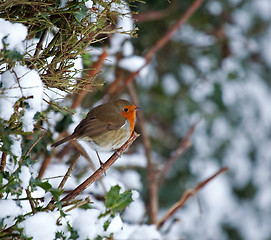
[(47, 187), (10, 184), (62, 34), (74, 27), (116, 201), (13, 55), (64, 123), (74, 234)]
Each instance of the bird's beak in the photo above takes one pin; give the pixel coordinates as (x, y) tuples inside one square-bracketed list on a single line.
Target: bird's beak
[(137, 108)]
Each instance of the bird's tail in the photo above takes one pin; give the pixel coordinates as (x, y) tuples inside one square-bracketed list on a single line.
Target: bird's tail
[(62, 141)]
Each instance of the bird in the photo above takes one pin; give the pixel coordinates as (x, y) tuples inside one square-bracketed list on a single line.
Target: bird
[(106, 127)]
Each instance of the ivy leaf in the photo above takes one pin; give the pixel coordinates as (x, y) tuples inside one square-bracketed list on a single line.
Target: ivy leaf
[(46, 186), (13, 55), (73, 232), (82, 13), (66, 121), (56, 193), (117, 202)]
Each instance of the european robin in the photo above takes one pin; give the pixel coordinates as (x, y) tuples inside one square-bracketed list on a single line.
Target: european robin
[(107, 126)]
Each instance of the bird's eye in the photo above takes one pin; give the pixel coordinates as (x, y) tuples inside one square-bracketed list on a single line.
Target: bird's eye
[(125, 109)]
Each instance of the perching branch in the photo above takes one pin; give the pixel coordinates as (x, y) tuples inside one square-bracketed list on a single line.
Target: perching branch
[(186, 195), (101, 170)]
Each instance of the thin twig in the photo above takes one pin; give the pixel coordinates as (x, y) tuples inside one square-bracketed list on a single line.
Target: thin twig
[(150, 16), (184, 145), (44, 166), (101, 170), (32, 146), (82, 151), (87, 200), (69, 171), (30, 201), (95, 69), (39, 45), (160, 43), (186, 195), (3, 161)]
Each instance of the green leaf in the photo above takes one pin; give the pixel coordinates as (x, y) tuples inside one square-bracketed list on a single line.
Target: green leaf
[(56, 193), (106, 224), (117, 202), (13, 55), (74, 234), (66, 121), (46, 186), (82, 13)]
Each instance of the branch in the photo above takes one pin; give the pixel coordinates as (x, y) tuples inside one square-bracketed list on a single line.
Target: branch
[(69, 171), (32, 146), (44, 166), (150, 53), (3, 161), (40, 43), (82, 151), (101, 170), (150, 16), (184, 145), (83, 92), (186, 195)]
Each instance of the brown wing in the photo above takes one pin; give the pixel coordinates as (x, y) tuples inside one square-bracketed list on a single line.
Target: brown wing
[(99, 120)]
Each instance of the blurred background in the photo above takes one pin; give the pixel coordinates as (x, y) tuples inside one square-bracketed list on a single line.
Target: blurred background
[(215, 70), (213, 76)]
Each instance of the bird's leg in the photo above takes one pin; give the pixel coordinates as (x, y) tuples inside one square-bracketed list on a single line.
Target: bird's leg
[(101, 163)]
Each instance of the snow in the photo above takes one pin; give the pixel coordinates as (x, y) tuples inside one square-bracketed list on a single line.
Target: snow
[(59, 170), (128, 49), (89, 4), (41, 226), (262, 8), (242, 19), (250, 93), (16, 145), (265, 47), (187, 74), (132, 179), (17, 83), (189, 35), (132, 64), (170, 84), (9, 207), (147, 232), (125, 24), (215, 7), (135, 212), (115, 225), (15, 34), (87, 224), (138, 232), (25, 176)]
